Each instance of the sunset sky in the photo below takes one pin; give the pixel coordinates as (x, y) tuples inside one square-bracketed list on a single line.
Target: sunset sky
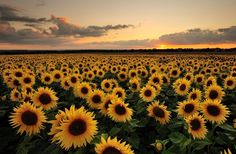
[(117, 24)]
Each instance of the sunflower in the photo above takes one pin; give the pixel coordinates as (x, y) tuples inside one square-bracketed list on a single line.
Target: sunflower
[(28, 89), (134, 84), (189, 77), (82, 89), (46, 78), (120, 92), (119, 111), (156, 79), (26, 97), (229, 83), (78, 129), (214, 111), (165, 79), (106, 85), (113, 146), (159, 112), (45, 97), (15, 95), (18, 73), (95, 99), (199, 78), (55, 123), (15, 83), (90, 75), (57, 75), (195, 94), (210, 81), (187, 108), (214, 92), (174, 73), (27, 80), (183, 87), (65, 83), (105, 104), (132, 73), (73, 80), (148, 93), (196, 126), (28, 118), (122, 76)]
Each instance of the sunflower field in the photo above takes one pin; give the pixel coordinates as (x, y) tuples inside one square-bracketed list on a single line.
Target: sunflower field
[(118, 104)]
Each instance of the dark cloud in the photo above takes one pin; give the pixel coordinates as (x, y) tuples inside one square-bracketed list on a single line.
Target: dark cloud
[(64, 28), (201, 36), (11, 35), (8, 13)]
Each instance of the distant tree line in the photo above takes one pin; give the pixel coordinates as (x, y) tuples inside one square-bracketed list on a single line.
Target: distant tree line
[(144, 51)]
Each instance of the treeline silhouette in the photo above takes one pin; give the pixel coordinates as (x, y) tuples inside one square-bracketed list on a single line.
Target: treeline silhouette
[(128, 51)]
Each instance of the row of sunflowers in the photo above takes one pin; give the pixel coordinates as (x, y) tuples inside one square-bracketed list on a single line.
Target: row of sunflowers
[(118, 104)]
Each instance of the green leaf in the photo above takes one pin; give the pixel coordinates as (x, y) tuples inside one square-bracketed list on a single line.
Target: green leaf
[(198, 145), (177, 137), (115, 131), (227, 127), (134, 141)]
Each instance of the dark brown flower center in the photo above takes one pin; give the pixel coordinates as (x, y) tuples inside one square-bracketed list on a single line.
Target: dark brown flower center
[(158, 112), (18, 74), (122, 76), (111, 150), (195, 124), (213, 94), (213, 110), (96, 99), (16, 94), (107, 104), (188, 77), (156, 80), (84, 90), (47, 78), (133, 74), (120, 109), (107, 85), (164, 80), (174, 72), (73, 79), (29, 118), (182, 87), (119, 94), (57, 76), (134, 86), (209, 83), (27, 80), (229, 82), (16, 82), (199, 79), (77, 127), (194, 96), (148, 93), (45, 98), (189, 108)]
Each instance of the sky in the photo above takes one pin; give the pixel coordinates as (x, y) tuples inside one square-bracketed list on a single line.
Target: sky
[(117, 24)]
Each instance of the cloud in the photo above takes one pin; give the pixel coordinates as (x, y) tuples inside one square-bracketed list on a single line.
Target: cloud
[(8, 13), (201, 36), (24, 36), (64, 28), (40, 3)]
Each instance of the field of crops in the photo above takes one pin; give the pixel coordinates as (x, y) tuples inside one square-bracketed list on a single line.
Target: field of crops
[(118, 104)]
